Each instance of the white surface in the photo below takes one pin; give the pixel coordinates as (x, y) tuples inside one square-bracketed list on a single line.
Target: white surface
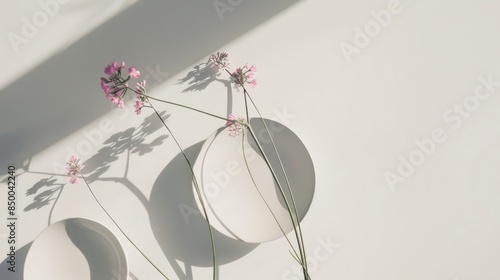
[(356, 119)]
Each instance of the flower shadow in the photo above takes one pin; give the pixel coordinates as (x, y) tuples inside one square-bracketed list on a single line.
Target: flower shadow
[(130, 141), (49, 186), (201, 76), (45, 197)]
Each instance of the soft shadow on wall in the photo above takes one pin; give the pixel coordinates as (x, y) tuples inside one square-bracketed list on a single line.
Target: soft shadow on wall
[(63, 94)]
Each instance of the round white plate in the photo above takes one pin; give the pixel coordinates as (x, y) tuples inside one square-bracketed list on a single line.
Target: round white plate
[(234, 205), (76, 249)]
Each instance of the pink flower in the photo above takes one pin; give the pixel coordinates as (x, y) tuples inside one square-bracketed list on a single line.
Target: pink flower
[(117, 99), (73, 168), (138, 106), (140, 87), (253, 83), (235, 125), (104, 86), (252, 68), (134, 73), (242, 76), (115, 86), (120, 103), (111, 69), (220, 60)]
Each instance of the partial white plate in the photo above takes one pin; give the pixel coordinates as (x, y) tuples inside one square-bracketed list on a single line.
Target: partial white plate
[(234, 205), (76, 249)]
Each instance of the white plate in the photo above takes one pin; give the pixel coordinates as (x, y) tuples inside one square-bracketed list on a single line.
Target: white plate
[(234, 205), (76, 249)]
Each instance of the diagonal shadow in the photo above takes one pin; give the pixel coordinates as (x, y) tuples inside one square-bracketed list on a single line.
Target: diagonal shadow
[(154, 36)]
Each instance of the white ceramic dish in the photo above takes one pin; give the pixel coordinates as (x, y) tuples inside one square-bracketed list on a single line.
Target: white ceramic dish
[(76, 249), (234, 205)]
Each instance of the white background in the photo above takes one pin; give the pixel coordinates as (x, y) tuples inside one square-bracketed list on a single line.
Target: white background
[(358, 114)]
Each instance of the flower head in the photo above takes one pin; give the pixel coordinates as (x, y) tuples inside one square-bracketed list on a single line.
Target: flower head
[(140, 87), (115, 86), (73, 168), (138, 106), (235, 125), (244, 75), (113, 70), (104, 85), (220, 60), (134, 73)]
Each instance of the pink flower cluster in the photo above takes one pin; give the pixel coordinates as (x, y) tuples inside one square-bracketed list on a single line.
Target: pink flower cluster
[(235, 125), (140, 88), (241, 76), (115, 86), (244, 75), (73, 168)]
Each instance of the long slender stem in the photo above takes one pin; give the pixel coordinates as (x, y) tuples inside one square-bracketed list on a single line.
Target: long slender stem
[(299, 235), (294, 254), (262, 196), (196, 187), (119, 228), (246, 108), (183, 106), (284, 173), (280, 188)]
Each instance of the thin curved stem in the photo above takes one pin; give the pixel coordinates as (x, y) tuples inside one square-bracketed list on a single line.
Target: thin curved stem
[(196, 187), (180, 105), (280, 188), (299, 234), (294, 253), (261, 196), (119, 228), (284, 173)]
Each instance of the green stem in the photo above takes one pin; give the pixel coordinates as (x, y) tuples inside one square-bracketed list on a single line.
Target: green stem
[(196, 187), (299, 234), (180, 105), (304, 258), (261, 196), (119, 228), (275, 177)]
